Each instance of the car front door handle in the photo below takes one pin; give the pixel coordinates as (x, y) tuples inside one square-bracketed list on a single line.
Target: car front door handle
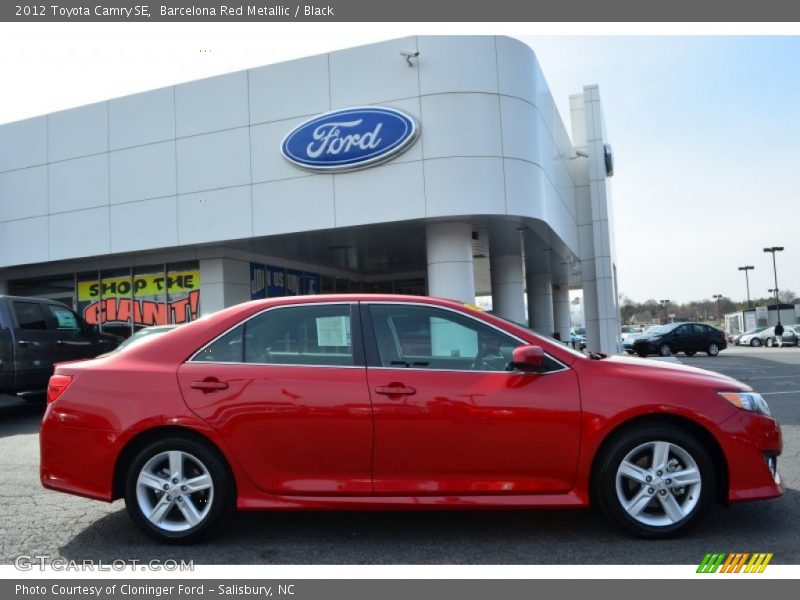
[(209, 385), (395, 389)]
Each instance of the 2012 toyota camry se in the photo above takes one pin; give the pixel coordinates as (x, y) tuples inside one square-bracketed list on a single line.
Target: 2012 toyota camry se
[(396, 402)]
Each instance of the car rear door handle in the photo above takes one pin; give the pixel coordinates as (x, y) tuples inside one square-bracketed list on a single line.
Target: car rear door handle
[(209, 385), (395, 389)]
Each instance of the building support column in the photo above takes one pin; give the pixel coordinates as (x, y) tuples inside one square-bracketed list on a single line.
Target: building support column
[(505, 265), (449, 252), (223, 283), (540, 303), (561, 311)]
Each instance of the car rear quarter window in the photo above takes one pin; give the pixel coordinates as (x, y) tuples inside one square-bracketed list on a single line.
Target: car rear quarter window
[(30, 316)]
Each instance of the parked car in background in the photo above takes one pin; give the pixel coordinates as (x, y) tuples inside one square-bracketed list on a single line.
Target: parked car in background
[(628, 330), (688, 338), (580, 336), (749, 338), (789, 337), (35, 334), (627, 345), (397, 402)]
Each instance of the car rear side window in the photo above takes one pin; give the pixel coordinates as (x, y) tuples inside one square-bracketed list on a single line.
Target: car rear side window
[(30, 316), (226, 349), (315, 335)]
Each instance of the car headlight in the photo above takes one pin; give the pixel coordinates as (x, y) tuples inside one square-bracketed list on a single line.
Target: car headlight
[(748, 401)]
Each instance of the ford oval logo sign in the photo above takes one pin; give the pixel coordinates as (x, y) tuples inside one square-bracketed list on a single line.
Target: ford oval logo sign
[(351, 138)]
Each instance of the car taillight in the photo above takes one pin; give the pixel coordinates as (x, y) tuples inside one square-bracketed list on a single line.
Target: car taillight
[(56, 387)]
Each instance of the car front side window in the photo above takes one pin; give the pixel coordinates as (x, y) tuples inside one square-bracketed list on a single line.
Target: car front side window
[(409, 336)]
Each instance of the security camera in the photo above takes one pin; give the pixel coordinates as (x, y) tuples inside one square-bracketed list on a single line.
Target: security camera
[(408, 56)]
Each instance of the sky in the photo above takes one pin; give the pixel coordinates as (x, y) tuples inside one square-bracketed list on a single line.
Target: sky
[(704, 129)]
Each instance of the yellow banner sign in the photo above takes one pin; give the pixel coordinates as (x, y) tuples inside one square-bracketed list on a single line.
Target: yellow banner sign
[(179, 282)]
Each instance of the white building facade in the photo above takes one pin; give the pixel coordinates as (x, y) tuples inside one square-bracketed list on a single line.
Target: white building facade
[(172, 203)]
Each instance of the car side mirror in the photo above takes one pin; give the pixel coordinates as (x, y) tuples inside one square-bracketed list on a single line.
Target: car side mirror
[(528, 359)]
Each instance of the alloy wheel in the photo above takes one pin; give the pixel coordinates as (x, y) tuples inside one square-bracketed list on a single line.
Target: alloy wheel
[(658, 483), (174, 491)]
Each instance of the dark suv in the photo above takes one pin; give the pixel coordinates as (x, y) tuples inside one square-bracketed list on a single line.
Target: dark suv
[(688, 338), (35, 334)]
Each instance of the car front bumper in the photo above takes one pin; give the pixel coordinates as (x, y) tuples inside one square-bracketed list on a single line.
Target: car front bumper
[(750, 442)]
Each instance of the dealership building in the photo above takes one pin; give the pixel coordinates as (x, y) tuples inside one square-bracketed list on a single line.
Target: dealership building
[(423, 165)]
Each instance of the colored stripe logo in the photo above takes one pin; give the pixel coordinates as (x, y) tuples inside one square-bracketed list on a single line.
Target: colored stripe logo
[(737, 562)]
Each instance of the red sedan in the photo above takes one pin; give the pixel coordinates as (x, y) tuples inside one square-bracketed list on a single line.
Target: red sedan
[(395, 402)]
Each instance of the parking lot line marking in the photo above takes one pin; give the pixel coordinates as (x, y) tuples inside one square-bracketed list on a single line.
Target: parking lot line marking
[(771, 393), (775, 377)]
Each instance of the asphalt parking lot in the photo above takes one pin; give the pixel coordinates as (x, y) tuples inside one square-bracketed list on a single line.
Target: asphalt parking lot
[(34, 521)]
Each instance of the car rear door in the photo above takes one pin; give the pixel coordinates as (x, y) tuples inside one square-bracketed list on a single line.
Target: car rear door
[(72, 337), (287, 390), (449, 417)]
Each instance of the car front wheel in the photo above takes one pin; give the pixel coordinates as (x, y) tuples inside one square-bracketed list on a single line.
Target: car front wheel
[(755, 342), (178, 490), (655, 481), (665, 350)]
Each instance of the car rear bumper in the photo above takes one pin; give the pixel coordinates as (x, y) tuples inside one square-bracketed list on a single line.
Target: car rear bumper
[(76, 460)]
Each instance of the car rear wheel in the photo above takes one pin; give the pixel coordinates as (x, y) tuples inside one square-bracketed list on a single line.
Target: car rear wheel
[(178, 490), (770, 342), (665, 350), (755, 342), (713, 349), (655, 481)]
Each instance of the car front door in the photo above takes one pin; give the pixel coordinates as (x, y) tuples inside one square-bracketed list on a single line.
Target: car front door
[(287, 390), (683, 339), (449, 417), (35, 348)]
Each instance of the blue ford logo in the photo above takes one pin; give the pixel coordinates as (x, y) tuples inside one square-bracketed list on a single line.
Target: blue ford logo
[(348, 139)]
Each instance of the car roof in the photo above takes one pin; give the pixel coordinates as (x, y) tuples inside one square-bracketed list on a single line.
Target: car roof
[(185, 340)]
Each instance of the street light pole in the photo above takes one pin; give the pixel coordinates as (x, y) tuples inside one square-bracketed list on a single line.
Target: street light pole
[(665, 303), (773, 250), (747, 268), (718, 297)]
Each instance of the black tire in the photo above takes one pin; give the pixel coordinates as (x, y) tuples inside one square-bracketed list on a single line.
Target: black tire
[(690, 353), (222, 496), (642, 354), (755, 342), (629, 351), (605, 490), (665, 350), (770, 342), (713, 349)]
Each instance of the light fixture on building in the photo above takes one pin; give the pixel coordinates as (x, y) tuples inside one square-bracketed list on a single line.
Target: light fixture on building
[(409, 56)]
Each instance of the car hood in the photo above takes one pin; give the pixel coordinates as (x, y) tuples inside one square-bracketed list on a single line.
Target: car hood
[(674, 370)]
